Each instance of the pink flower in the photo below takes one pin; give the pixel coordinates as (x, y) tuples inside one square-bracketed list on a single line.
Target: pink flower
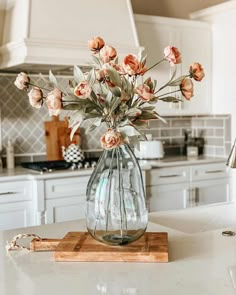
[(173, 55), (108, 53), (132, 66), (36, 97), (186, 88), (22, 81), (54, 102), (82, 90), (96, 44), (145, 91), (111, 139), (196, 71)]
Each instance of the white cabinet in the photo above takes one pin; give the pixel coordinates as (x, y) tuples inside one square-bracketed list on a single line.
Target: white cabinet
[(16, 205), (193, 39), (65, 199), (187, 186)]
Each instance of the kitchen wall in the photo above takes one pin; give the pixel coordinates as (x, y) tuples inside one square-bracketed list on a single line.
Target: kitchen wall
[(25, 126), (171, 8)]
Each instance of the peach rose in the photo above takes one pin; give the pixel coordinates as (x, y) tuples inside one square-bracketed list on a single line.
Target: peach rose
[(22, 81), (108, 53), (82, 90), (54, 102), (173, 55), (96, 44), (111, 139), (36, 97), (132, 66), (196, 71), (145, 92), (186, 88)]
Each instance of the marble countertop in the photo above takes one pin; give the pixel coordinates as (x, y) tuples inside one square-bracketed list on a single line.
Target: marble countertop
[(202, 261)]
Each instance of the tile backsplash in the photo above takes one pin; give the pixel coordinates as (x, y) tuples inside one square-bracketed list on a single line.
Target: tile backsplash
[(25, 126)]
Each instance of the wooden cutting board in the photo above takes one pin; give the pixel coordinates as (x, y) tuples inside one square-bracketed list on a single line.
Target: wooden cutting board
[(80, 246), (57, 134)]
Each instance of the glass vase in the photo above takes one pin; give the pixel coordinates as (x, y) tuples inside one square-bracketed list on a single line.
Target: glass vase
[(116, 207)]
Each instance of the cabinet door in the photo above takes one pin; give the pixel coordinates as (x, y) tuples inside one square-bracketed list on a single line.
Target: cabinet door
[(209, 192), (168, 197), (155, 33), (65, 209), (16, 215)]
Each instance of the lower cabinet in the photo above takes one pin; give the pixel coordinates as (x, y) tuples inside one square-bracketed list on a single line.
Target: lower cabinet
[(16, 205), (187, 186), (65, 199)]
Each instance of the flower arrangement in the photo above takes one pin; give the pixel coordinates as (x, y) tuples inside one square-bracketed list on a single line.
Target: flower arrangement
[(111, 92)]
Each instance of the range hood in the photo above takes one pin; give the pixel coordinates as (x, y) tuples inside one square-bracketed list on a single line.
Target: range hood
[(39, 35)]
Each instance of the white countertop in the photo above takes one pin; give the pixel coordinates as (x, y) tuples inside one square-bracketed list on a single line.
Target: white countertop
[(20, 173), (201, 263)]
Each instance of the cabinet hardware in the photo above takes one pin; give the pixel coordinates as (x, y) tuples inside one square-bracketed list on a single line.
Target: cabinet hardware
[(167, 176), (7, 193), (214, 171)]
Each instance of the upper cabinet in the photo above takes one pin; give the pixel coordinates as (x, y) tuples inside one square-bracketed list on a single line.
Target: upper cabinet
[(193, 39)]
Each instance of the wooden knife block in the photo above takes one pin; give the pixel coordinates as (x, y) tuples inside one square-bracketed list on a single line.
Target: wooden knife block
[(57, 134)]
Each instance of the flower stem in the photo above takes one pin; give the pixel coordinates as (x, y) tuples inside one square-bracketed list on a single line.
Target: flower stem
[(39, 87), (169, 93), (155, 65)]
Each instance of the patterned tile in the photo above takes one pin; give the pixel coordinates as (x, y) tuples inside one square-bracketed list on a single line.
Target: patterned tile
[(25, 125)]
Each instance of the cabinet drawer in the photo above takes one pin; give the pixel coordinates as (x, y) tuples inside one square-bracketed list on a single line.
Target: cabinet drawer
[(15, 191), (66, 187), (168, 175), (209, 171)]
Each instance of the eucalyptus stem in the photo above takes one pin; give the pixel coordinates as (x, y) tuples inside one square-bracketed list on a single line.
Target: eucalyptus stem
[(153, 66), (39, 87)]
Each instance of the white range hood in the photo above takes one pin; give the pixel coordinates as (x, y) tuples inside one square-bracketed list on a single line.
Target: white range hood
[(39, 35)]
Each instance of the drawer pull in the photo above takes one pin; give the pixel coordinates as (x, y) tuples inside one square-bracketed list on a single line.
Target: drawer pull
[(214, 171), (7, 193), (173, 175)]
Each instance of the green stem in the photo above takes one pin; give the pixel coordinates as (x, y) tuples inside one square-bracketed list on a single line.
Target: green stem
[(168, 93), (155, 65)]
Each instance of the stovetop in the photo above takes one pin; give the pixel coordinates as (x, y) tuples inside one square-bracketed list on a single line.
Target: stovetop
[(49, 166)]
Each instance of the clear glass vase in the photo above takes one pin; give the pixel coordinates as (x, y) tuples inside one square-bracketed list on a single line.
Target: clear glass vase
[(116, 208)]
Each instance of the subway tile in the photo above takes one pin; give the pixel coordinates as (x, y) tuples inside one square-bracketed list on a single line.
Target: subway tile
[(213, 141), (227, 128), (184, 123), (220, 151), (214, 123), (171, 132), (218, 132)]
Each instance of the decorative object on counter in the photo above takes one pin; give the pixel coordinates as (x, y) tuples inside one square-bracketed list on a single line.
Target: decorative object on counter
[(231, 162), (10, 155), (115, 94), (79, 246), (57, 134), (73, 154), (116, 209)]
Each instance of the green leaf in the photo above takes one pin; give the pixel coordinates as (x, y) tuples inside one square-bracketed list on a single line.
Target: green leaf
[(53, 79), (133, 112), (148, 108), (91, 77), (115, 103), (97, 60), (71, 106), (69, 98), (170, 99), (90, 128), (115, 91), (129, 130), (114, 76), (78, 74)]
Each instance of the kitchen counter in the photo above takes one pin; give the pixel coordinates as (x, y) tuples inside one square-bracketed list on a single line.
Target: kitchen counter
[(202, 262), (20, 173), (182, 161)]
